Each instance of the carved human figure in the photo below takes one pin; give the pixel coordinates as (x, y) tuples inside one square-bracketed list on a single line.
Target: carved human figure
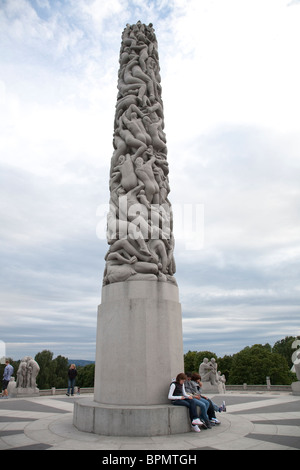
[(33, 370), (156, 134), (205, 370), (119, 230), (122, 269), (221, 381), (296, 358), (124, 172), (21, 375), (214, 371), (144, 172), (131, 141), (136, 127), (297, 364)]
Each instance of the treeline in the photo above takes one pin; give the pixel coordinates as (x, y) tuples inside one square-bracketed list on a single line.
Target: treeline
[(251, 365)]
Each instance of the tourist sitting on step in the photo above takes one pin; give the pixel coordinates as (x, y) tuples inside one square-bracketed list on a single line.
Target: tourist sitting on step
[(196, 383), (179, 397), (201, 402)]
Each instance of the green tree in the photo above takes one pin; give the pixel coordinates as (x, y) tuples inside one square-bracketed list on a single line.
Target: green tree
[(189, 361), (224, 365), (60, 371), (284, 347), (253, 364), (85, 377), (46, 375)]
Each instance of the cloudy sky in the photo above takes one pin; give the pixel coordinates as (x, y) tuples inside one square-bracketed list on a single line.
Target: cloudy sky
[(230, 85)]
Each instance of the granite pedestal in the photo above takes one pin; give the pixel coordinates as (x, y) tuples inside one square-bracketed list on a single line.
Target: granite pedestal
[(139, 351)]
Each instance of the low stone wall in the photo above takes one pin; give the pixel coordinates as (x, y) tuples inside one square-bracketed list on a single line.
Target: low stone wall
[(229, 388), (258, 388), (63, 391)]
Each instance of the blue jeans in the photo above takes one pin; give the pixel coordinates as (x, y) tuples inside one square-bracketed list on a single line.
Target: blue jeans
[(190, 404), (71, 383), (204, 405)]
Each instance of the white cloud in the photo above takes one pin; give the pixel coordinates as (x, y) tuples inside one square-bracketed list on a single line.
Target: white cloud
[(234, 62)]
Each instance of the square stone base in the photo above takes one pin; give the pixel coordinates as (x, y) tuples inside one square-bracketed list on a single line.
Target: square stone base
[(139, 343)]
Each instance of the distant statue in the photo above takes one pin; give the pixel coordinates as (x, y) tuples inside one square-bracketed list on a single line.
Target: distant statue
[(27, 374), (208, 371), (211, 378), (221, 380), (205, 370), (296, 359), (297, 365)]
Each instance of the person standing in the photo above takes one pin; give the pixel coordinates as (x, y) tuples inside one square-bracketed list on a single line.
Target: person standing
[(8, 372), (72, 373)]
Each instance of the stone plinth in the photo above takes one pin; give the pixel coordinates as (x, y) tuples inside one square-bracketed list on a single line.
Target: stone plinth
[(108, 420), (20, 392), (139, 352), (207, 387), (296, 388), (139, 343)]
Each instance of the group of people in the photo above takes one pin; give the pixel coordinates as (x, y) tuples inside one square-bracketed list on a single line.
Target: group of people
[(185, 390), (9, 370)]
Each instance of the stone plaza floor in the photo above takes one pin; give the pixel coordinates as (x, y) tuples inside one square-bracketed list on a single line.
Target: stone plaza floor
[(253, 421)]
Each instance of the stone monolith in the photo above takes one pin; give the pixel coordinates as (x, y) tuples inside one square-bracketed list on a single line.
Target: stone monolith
[(139, 331)]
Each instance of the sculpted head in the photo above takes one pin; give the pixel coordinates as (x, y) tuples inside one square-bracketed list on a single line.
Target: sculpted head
[(139, 161)]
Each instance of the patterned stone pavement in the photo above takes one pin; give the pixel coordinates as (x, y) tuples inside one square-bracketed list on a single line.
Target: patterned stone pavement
[(260, 421)]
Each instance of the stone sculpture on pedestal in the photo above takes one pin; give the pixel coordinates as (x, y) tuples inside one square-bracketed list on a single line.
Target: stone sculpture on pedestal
[(139, 331), (211, 378), (26, 377), (296, 367)]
